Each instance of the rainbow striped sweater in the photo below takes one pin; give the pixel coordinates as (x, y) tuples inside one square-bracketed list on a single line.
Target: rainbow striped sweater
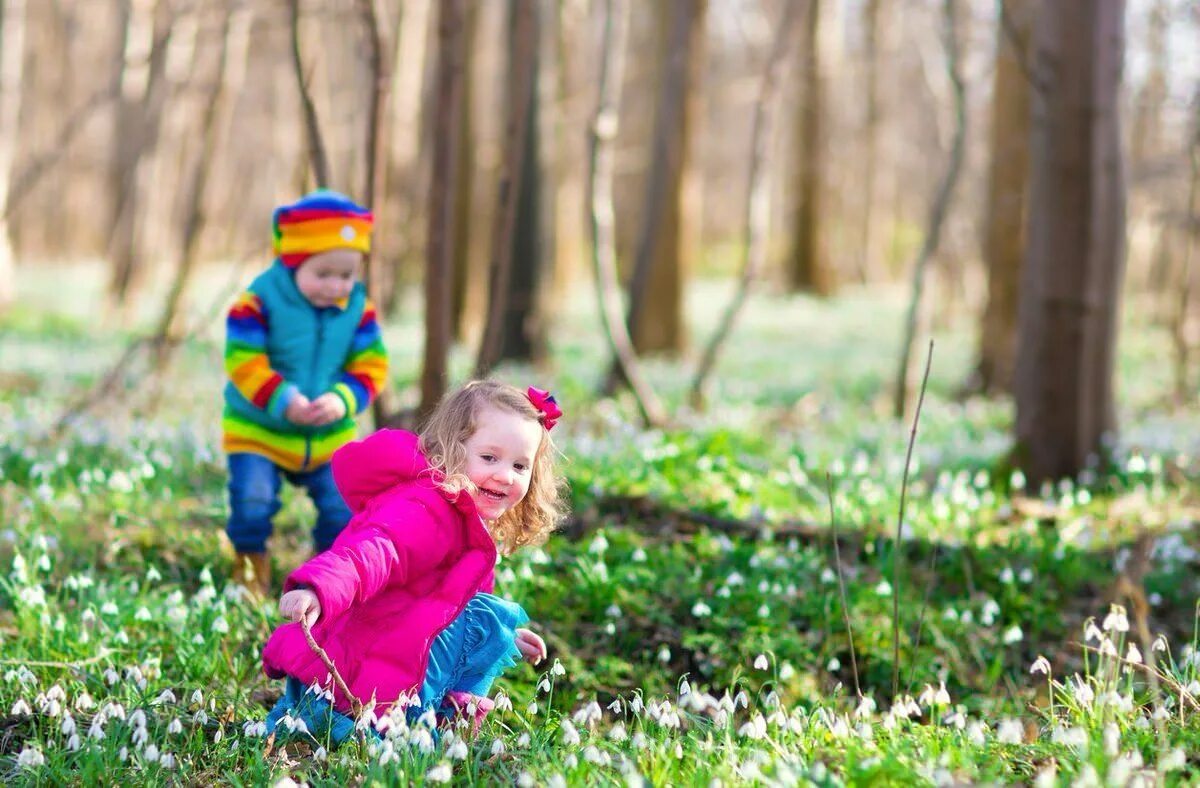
[(278, 345)]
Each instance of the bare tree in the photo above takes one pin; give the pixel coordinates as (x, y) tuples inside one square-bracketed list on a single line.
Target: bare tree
[(440, 239), (1183, 321), (939, 207), (523, 82), (12, 58), (757, 208), (139, 121), (872, 11), (1076, 241), (1004, 211), (658, 264), (603, 131), (806, 268)]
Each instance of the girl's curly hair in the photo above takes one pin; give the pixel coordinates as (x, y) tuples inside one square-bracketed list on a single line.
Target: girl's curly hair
[(443, 441)]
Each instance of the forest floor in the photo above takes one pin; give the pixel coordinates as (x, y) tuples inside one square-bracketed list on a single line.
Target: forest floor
[(693, 604)]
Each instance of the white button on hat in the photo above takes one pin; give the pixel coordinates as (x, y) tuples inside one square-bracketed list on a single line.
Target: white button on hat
[(348, 233)]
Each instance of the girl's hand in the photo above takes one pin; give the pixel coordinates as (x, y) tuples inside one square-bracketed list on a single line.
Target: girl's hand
[(300, 605), (326, 409), (532, 647)]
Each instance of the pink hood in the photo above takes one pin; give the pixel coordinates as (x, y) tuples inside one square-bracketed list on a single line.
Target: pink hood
[(401, 571)]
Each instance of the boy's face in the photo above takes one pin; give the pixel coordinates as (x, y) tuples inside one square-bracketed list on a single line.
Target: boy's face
[(326, 279)]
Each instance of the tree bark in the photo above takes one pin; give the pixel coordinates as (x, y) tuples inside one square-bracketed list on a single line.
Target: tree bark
[(871, 17), (467, 292), (757, 208), (1004, 212), (12, 59), (1076, 241), (807, 270), (440, 239), (520, 161), (139, 123), (602, 133), (659, 266)]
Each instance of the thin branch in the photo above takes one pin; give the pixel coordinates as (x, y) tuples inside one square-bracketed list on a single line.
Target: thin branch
[(355, 704), (837, 556), (757, 207), (316, 145), (912, 439)]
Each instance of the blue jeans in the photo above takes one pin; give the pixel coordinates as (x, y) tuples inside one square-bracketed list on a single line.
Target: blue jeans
[(254, 484)]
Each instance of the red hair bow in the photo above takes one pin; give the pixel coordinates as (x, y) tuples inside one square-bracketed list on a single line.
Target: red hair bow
[(544, 401)]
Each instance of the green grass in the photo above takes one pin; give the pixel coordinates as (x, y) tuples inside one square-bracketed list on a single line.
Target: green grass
[(692, 602)]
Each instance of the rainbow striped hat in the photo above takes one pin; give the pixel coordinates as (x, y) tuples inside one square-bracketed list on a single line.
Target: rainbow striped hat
[(317, 222)]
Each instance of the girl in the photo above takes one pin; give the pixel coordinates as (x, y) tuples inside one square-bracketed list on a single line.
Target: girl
[(401, 602)]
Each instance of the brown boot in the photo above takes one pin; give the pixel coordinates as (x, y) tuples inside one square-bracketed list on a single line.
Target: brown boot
[(253, 570)]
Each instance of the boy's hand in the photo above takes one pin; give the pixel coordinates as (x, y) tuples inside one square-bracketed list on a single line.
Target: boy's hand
[(326, 409), (300, 605), (299, 410), (532, 647)]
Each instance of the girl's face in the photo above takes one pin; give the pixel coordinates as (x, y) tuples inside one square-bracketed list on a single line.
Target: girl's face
[(500, 457), (326, 279)]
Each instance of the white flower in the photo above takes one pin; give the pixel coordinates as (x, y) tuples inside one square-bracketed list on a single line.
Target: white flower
[(175, 726), (557, 669), (152, 575), (142, 614), (30, 758), (440, 773), (786, 671), (458, 750), (1082, 691), (167, 761), (884, 588), (320, 754), (21, 708), (570, 733), (700, 610), (1013, 635), (543, 685), (166, 696), (618, 733), (498, 747), (220, 625), (1116, 620), (1160, 644), (1133, 655), (525, 780), (503, 703), (1175, 760), (151, 753), (1040, 665), (532, 708), (761, 663), (197, 697)]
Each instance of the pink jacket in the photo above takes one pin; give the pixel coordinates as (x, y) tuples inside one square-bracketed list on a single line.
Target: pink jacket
[(401, 571)]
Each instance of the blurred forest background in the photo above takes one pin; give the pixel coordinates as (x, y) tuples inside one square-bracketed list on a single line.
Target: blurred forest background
[(803, 146)]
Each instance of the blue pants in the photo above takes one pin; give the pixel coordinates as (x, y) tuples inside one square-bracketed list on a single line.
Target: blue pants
[(254, 484)]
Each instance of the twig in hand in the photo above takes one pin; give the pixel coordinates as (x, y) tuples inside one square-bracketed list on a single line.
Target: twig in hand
[(355, 704), (912, 439), (837, 557)]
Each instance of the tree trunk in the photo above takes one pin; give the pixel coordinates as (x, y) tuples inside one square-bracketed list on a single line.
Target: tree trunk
[(1145, 136), (12, 59), (1004, 217), (516, 242), (660, 263), (602, 133), (569, 157), (807, 270), (868, 267), (139, 122), (1076, 241), (444, 177), (318, 155), (465, 287)]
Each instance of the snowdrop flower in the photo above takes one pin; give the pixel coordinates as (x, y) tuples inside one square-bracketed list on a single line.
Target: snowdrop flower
[(760, 662), (639, 555), (1013, 635), (458, 750), (167, 761), (532, 708), (1107, 649), (320, 754), (151, 754), (68, 724), (1082, 691), (524, 740), (615, 706), (109, 609), (543, 685), (440, 773), (96, 731), (30, 758), (592, 755), (976, 733), (138, 718), (635, 704), (1040, 665), (153, 575), (73, 743), (884, 588), (1175, 760), (498, 747), (166, 696), (139, 737), (786, 671), (1116, 620), (1133, 655), (557, 669), (1091, 631), (618, 733), (142, 614), (866, 707), (21, 708), (503, 703), (1006, 577), (175, 727), (1160, 644), (700, 610), (220, 625), (525, 780), (197, 697), (1112, 742), (84, 702)]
